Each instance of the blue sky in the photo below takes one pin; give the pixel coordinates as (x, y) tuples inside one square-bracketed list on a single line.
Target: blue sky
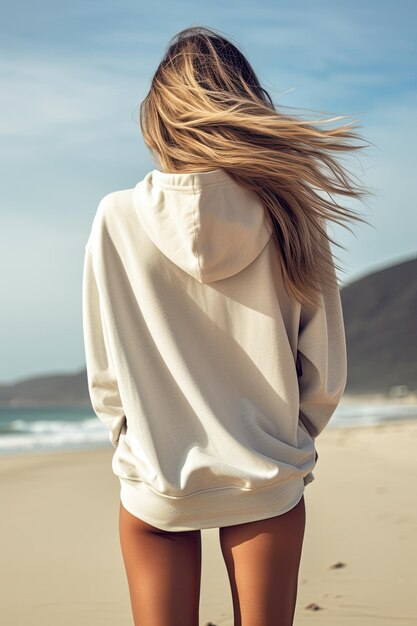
[(73, 76)]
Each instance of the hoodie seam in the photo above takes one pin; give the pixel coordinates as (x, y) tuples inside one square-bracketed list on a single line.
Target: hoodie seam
[(293, 474), (192, 188), (195, 235)]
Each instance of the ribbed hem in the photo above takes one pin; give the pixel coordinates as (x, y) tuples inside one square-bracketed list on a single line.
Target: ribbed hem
[(209, 509)]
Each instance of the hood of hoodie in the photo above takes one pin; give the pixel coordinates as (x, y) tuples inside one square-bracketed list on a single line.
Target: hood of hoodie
[(204, 222)]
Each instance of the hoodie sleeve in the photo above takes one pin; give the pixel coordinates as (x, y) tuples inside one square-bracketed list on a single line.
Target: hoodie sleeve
[(321, 360), (102, 384)]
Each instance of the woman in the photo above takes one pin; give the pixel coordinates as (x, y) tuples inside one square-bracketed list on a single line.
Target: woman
[(214, 333)]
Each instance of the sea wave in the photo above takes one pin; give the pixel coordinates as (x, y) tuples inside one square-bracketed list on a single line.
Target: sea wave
[(40, 430)]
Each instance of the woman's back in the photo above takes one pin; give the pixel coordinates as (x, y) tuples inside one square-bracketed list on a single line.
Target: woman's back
[(213, 382)]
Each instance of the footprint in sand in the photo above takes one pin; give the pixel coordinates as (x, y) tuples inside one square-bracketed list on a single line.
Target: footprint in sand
[(313, 607), (337, 565)]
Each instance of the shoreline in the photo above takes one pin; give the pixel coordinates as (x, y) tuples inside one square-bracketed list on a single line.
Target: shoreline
[(104, 445)]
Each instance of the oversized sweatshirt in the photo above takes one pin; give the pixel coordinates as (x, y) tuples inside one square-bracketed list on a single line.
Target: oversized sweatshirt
[(213, 383)]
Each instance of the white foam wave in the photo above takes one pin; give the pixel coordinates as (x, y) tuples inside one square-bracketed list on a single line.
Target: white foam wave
[(43, 435)]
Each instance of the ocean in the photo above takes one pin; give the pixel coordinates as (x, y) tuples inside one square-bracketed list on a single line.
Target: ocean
[(31, 430)]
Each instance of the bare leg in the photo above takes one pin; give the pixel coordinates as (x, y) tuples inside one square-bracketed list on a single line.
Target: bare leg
[(163, 571), (262, 560)]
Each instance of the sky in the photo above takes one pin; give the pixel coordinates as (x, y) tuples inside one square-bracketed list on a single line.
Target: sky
[(73, 76)]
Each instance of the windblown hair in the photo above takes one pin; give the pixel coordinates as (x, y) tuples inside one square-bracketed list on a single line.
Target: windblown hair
[(206, 110)]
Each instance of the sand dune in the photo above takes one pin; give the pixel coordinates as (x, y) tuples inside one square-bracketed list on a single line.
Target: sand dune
[(61, 564)]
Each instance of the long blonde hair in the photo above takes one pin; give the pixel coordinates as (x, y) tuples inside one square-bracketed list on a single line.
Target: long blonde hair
[(207, 110)]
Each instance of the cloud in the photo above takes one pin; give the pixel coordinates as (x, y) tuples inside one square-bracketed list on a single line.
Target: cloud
[(47, 97)]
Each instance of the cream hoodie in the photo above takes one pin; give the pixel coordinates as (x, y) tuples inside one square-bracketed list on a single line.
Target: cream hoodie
[(212, 383)]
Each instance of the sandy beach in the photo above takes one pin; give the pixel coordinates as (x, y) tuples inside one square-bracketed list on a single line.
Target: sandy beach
[(61, 563)]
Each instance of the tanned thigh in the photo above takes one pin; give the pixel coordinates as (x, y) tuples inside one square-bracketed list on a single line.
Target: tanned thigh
[(262, 560), (163, 571)]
